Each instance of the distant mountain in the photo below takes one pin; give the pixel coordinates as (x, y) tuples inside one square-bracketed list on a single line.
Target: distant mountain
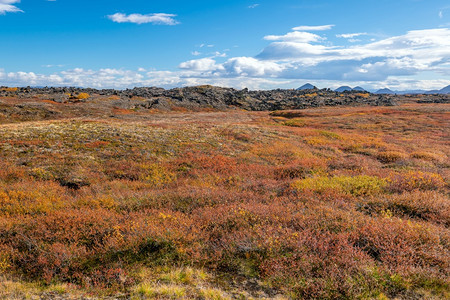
[(428, 92), (343, 89), (445, 90), (385, 91), (411, 92), (307, 86), (358, 89)]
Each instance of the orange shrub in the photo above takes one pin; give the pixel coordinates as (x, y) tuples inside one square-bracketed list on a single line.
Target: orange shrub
[(10, 173), (312, 95), (82, 96), (252, 203), (9, 89), (427, 155), (294, 123), (363, 95), (425, 205), (32, 198), (391, 156), (97, 144), (301, 168)]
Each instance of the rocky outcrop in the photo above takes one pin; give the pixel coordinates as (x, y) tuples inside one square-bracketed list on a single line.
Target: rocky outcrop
[(209, 97)]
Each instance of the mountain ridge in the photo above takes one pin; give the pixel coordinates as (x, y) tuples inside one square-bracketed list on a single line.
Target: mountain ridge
[(386, 90)]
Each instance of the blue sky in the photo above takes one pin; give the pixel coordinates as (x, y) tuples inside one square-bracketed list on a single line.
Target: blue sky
[(402, 44)]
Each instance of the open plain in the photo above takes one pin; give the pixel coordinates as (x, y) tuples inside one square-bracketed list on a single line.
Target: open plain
[(99, 200)]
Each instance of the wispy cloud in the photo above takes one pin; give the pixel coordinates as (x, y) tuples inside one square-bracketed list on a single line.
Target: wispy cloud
[(313, 28), (53, 66), (219, 54), (159, 18), (442, 11), (8, 6), (295, 36), (350, 35), (253, 5)]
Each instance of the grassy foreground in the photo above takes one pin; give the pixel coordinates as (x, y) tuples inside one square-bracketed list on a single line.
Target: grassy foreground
[(321, 203)]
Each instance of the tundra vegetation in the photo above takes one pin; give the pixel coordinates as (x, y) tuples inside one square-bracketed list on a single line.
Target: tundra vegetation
[(341, 202)]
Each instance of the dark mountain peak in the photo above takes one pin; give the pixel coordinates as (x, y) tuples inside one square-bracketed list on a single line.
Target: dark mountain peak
[(385, 91), (445, 90), (343, 89), (307, 86), (358, 89)]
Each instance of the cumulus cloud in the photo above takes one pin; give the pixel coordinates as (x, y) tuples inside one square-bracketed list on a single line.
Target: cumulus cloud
[(250, 67), (416, 51), (121, 79), (159, 18), (303, 55), (313, 28), (8, 6), (203, 64)]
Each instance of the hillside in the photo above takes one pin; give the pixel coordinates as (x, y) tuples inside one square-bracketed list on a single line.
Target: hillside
[(102, 196)]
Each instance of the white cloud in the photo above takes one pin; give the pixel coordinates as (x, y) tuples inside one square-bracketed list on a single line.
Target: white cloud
[(313, 28), (203, 64), (7, 6), (251, 67), (292, 51), (159, 18), (196, 53), (427, 48), (121, 79), (253, 5), (297, 55)]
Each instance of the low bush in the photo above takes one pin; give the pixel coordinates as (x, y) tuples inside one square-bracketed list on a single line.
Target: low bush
[(424, 205), (83, 96), (361, 185), (178, 205), (412, 180), (294, 123), (391, 156), (427, 155)]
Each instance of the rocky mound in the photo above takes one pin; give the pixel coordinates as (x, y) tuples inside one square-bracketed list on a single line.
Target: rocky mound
[(205, 97)]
